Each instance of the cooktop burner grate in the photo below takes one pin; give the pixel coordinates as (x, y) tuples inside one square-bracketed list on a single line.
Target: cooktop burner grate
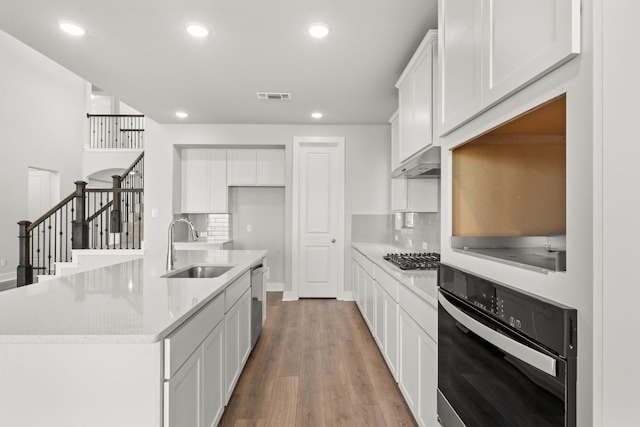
[(414, 261)]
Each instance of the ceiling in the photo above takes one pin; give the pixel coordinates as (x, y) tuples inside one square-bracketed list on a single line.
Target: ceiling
[(139, 52)]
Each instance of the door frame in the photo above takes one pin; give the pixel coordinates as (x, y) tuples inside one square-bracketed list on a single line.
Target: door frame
[(318, 141)]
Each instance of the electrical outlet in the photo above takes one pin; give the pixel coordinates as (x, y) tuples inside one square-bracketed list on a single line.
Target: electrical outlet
[(154, 213), (267, 273), (3, 262), (249, 228), (425, 246), (410, 242), (395, 236)]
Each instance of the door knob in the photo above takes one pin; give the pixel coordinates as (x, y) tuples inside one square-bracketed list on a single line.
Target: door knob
[(333, 240)]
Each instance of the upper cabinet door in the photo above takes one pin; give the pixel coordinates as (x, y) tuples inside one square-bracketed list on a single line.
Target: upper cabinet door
[(489, 49), (460, 36), (195, 180), (416, 100), (423, 97), (523, 40), (218, 192), (271, 167), (241, 167)]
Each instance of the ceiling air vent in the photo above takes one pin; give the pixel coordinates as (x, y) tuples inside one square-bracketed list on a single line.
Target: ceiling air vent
[(273, 96)]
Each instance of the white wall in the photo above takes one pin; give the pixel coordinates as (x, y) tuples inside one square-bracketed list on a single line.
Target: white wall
[(43, 124), (367, 167), (264, 209), (620, 209)]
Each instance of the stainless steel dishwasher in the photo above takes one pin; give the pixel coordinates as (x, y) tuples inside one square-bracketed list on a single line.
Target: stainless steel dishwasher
[(257, 286)]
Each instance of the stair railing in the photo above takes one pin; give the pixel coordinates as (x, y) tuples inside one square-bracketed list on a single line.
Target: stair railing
[(88, 218), (116, 131)]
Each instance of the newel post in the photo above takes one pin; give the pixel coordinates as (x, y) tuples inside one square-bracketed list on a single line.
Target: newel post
[(25, 268), (80, 226), (116, 221)]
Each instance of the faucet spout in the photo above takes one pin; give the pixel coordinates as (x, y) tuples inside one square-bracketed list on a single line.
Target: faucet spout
[(170, 250)]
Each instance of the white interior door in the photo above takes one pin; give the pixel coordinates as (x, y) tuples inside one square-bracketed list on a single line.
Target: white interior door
[(319, 187)]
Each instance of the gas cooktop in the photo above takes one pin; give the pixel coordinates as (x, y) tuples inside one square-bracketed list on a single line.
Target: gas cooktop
[(414, 261)]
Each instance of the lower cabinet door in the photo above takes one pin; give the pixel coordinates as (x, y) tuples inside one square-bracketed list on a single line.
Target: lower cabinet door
[(213, 392), (428, 380), (245, 327), (380, 316), (418, 370), (183, 394), (409, 360), (232, 349), (391, 333)]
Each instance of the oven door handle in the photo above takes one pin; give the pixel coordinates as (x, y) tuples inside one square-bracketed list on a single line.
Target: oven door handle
[(528, 355)]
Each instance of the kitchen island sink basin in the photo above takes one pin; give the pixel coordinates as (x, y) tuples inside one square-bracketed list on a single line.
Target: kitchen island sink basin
[(199, 272)]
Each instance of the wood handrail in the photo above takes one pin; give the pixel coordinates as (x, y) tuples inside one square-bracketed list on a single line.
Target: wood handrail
[(50, 212), (135, 162), (115, 115), (114, 190), (99, 212)]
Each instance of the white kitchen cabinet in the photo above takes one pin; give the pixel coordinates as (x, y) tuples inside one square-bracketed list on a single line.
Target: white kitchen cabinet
[(491, 49), (387, 328), (271, 167), (204, 181), (355, 272), (261, 167), (416, 100), (415, 195), (183, 395), (418, 370), (237, 331), (193, 369), (369, 303), (524, 40), (459, 38), (245, 327), (395, 140), (232, 357), (213, 392)]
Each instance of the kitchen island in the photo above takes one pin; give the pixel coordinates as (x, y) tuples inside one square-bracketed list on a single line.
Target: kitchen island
[(122, 345)]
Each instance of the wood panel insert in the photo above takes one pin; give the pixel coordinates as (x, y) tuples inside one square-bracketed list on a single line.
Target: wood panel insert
[(512, 180)]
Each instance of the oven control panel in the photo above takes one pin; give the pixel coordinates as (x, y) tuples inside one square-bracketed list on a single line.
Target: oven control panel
[(533, 316)]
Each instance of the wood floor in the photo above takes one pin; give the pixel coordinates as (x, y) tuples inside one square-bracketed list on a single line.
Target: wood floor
[(316, 364)]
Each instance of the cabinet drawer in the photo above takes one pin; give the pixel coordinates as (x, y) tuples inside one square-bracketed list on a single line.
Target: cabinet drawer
[(357, 256), (235, 290), (387, 282), (423, 313), (185, 340)]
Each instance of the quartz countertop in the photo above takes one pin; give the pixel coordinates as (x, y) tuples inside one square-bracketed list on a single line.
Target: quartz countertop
[(423, 283), (124, 303), (200, 244)]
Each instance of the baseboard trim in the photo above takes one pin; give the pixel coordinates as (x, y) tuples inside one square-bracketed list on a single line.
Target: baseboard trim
[(289, 296), (347, 296), (4, 277), (275, 287)]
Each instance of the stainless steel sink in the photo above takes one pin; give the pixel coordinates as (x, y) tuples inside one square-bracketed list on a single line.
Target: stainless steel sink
[(200, 272)]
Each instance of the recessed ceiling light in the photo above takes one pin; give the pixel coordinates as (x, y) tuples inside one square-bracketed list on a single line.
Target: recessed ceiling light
[(316, 115), (72, 28), (182, 115), (318, 30), (196, 29)]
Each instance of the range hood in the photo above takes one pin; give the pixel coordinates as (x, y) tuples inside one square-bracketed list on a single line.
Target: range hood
[(423, 165)]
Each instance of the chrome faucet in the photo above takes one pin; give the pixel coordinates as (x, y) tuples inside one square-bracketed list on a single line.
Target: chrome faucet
[(170, 251)]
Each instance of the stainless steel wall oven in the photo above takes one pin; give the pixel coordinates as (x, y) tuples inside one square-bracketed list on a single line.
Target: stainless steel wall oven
[(505, 358)]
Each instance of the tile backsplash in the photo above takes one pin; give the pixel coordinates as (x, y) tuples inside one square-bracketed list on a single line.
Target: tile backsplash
[(211, 228), (410, 231)]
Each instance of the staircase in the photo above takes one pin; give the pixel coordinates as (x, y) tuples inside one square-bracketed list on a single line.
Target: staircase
[(90, 228)]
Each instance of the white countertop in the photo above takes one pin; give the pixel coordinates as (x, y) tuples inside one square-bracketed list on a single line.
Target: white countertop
[(122, 303), (423, 283)]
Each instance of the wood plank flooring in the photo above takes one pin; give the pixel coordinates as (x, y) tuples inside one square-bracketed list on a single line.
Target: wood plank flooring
[(316, 364)]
